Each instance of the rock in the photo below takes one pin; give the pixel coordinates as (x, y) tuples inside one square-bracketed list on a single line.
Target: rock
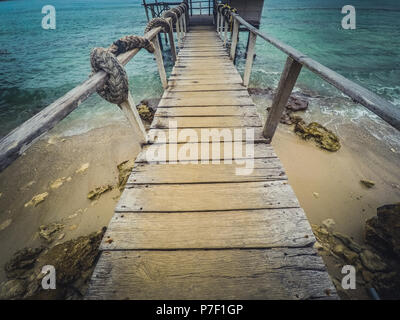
[(316, 195), (21, 261), (1, 194), (47, 232), (372, 262), (324, 138), (12, 289), (367, 183), (83, 168), (348, 242), (145, 113), (5, 224), (124, 169), (328, 223), (96, 193), (58, 183), (383, 231), (318, 246), (37, 199)]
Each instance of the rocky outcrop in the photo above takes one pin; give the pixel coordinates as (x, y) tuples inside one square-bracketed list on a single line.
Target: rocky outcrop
[(73, 260), (383, 231), (323, 137)]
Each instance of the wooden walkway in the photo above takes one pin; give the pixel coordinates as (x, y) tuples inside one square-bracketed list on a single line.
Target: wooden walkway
[(200, 231)]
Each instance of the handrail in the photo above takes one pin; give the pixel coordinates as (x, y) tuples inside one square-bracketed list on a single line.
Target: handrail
[(21, 138), (384, 109)]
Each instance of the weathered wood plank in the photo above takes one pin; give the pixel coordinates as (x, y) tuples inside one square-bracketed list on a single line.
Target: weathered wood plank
[(264, 170), (207, 197), (211, 274), (244, 111), (207, 100), (272, 228), (195, 152), (177, 87), (178, 81), (198, 95), (206, 122), (164, 136)]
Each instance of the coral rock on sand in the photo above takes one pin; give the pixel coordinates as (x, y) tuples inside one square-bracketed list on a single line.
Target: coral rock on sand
[(96, 193), (124, 169), (47, 232), (367, 183), (5, 224), (83, 168), (145, 112), (37, 199), (383, 230), (58, 183), (324, 138)]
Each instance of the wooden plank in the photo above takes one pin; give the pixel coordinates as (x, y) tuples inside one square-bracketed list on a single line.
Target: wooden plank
[(207, 100), (272, 228), (197, 95), (284, 273), (221, 111), (207, 151), (206, 122), (207, 87), (149, 173), (162, 135), (209, 81), (207, 197)]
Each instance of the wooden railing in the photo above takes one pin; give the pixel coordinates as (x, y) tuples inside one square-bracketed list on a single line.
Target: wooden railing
[(21, 138), (294, 63)]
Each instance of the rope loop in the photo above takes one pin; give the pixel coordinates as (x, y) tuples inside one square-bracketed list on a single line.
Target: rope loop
[(158, 22), (177, 11), (170, 14), (115, 89), (129, 43)]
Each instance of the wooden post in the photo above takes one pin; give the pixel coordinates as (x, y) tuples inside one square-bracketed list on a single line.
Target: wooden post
[(226, 32), (218, 17), (184, 23), (160, 63), (249, 59), (181, 27), (288, 79), (178, 33), (235, 36), (221, 27), (129, 109), (172, 42)]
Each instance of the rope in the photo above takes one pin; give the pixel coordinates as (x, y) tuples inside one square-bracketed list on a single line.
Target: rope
[(129, 43), (115, 89), (158, 22), (170, 14)]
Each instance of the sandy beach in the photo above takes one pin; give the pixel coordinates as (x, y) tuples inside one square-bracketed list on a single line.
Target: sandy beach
[(327, 184)]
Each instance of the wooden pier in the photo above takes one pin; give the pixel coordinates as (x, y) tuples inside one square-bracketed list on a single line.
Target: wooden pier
[(191, 229), (199, 231)]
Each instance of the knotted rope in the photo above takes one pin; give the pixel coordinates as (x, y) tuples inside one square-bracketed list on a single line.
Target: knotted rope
[(158, 22), (115, 89), (170, 14)]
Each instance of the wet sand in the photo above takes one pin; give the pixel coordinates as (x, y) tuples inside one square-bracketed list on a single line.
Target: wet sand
[(55, 157)]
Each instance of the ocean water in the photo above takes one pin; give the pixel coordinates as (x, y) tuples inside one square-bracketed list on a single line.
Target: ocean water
[(37, 66)]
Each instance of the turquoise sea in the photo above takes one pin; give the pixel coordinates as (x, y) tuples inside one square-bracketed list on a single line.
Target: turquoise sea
[(37, 66)]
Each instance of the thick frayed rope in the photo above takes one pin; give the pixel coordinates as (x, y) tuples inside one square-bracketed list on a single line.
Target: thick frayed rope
[(170, 14), (129, 43), (158, 22), (115, 89)]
